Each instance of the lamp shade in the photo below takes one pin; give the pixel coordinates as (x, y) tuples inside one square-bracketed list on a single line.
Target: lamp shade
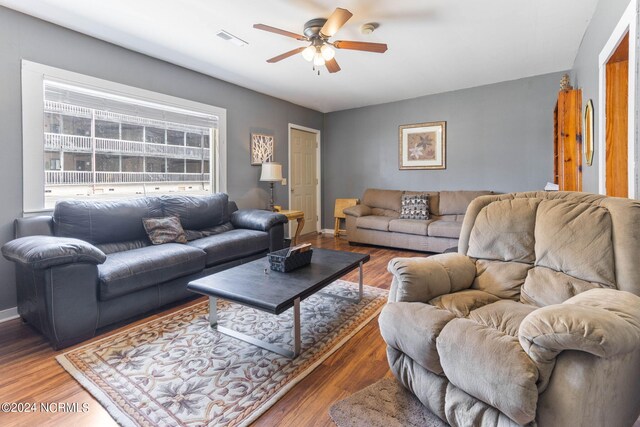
[(271, 172)]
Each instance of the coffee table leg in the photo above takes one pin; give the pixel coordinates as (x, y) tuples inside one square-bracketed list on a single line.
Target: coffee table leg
[(360, 279), (360, 289), (213, 311), (213, 321), (296, 327)]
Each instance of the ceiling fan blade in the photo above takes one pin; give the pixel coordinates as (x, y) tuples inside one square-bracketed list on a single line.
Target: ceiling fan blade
[(279, 31), (337, 19), (285, 55), (332, 66), (368, 47)]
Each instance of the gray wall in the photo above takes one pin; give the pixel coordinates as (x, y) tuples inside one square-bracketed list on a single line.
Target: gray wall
[(499, 137), (24, 37), (585, 72)]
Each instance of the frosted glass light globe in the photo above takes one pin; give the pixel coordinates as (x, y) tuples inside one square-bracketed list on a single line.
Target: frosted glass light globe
[(318, 60), (309, 53), (327, 52)]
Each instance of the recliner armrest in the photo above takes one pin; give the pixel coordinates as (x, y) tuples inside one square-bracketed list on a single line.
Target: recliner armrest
[(357, 210), (41, 252), (257, 219), (603, 322), (422, 279)]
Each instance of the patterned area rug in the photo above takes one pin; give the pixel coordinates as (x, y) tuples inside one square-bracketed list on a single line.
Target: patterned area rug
[(177, 371), (383, 404)]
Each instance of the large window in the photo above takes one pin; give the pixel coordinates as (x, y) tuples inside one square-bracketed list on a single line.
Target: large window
[(103, 140)]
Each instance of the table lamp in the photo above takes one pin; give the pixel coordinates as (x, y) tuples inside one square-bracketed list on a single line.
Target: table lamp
[(271, 172)]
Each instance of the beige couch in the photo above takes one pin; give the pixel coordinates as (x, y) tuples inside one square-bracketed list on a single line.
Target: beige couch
[(376, 221), (536, 321)]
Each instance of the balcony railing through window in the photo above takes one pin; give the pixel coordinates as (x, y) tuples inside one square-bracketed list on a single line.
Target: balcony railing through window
[(101, 178), (82, 144)]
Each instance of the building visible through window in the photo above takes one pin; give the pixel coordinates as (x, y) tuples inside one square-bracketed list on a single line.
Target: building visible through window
[(103, 145)]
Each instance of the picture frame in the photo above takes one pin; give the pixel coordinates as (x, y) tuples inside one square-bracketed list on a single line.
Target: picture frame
[(588, 133), (262, 148), (422, 146)]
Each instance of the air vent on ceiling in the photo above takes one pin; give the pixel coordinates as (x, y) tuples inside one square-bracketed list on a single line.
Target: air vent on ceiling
[(224, 35)]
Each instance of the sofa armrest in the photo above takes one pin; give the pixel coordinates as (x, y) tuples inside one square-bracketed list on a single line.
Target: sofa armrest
[(603, 322), (422, 279), (257, 219), (40, 252), (357, 210)]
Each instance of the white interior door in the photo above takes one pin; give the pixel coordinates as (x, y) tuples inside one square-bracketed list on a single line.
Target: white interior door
[(304, 183)]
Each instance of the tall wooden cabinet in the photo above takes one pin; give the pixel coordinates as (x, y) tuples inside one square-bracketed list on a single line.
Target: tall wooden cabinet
[(567, 140)]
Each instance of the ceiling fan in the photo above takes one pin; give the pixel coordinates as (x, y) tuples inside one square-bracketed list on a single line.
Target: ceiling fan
[(318, 32)]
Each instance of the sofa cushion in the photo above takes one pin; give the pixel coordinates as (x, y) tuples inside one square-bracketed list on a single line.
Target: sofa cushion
[(104, 221), (409, 226), (412, 328), (415, 206), (385, 212), (456, 202), (463, 302), (577, 239), (383, 199), (109, 248), (504, 316), (544, 286), (197, 212), (373, 222), (164, 230), (433, 200), (502, 279), (450, 229), (210, 231), (129, 271), (463, 410), (232, 245), (504, 230), (491, 366)]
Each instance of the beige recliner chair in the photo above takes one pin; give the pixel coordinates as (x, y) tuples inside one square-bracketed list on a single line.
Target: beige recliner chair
[(535, 321)]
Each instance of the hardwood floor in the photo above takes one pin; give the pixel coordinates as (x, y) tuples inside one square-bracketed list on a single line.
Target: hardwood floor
[(30, 373)]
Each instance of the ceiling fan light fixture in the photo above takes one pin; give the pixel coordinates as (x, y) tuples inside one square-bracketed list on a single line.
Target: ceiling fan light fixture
[(309, 53), (327, 52), (319, 50)]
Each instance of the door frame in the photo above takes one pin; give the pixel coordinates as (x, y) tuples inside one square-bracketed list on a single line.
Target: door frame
[(292, 126), (628, 23)]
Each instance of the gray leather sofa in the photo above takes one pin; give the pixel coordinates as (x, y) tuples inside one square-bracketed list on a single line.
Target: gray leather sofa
[(535, 321), (91, 264), (377, 220)]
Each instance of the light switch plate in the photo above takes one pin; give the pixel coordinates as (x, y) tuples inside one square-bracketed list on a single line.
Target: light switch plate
[(284, 181)]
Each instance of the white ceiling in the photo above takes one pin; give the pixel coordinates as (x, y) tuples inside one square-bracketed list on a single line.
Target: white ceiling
[(434, 45)]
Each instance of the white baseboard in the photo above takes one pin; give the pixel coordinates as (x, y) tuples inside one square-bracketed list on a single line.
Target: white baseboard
[(9, 314)]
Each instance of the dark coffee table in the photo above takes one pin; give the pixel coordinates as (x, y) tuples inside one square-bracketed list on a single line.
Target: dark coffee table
[(273, 292)]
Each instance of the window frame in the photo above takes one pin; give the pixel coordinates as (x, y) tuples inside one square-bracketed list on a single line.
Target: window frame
[(33, 154)]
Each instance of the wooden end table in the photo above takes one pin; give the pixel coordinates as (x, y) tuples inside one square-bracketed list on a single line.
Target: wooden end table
[(297, 215)]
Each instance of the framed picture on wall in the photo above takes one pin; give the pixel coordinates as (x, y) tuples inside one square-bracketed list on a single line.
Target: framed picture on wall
[(422, 146), (262, 148)]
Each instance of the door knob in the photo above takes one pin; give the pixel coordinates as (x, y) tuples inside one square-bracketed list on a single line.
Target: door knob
[(292, 190)]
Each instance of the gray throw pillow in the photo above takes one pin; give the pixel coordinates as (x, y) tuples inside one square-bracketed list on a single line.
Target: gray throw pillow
[(415, 206), (164, 230)]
